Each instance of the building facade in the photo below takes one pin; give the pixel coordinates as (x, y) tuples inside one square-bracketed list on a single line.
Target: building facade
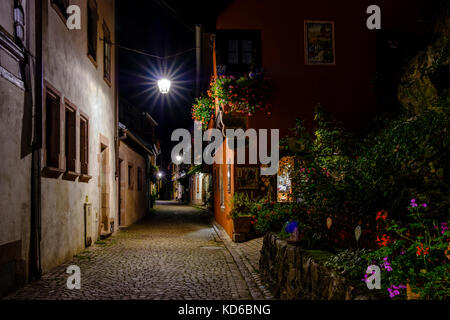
[(59, 172), (313, 53)]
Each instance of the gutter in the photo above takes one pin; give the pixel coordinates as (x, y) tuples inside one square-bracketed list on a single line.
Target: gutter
[(35, 270), (128, 134)]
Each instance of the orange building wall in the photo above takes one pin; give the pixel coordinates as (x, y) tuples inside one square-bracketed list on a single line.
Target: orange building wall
[(344, 89), (222, 216)]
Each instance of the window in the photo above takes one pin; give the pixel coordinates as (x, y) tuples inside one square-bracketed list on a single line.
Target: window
[(247, 52), (92, 18), (130, 177), (106, 54), (139, 178), (60, 7), (222, 196), (233, 51), (284, 182), (19, 22), (238, 51), (84, 145), (70, 138), (52, 128), (229, 178)]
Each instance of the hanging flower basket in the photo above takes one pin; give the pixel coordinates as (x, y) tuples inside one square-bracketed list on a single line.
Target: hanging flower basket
[(246, 94), (202, 110), (234, 120)]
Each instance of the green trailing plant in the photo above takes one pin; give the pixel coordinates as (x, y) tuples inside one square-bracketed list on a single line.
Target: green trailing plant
[(202, 110)]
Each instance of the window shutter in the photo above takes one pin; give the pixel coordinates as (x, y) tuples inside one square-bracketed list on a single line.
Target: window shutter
[(71, 139), (84, 140), (55, 134)]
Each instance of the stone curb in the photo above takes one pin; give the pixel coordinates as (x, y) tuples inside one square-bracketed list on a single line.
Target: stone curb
[(257, 289)]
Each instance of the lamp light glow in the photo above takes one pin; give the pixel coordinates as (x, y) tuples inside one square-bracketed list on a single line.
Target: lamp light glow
[(164, 85)]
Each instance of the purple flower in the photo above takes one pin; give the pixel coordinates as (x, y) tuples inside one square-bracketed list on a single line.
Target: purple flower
[(413, 204), (402, 252), (413, 200), (395, 290), (444, 227), (424, 205)]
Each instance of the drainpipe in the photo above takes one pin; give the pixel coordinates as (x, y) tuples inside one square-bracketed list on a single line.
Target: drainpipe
[(35, 270), (116, 110), (198, 57)]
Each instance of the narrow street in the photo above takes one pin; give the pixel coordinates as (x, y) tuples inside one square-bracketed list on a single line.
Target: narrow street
[(175, 253)]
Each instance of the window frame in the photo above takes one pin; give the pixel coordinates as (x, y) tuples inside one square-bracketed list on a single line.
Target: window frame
[(72, 173), (139, 178), (18, 8), (223, 40), (130, 176), (62, 15), (51, 171), (92, 6), (84, 166), (107, 39)]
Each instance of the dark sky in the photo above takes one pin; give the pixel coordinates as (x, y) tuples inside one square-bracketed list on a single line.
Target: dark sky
[(150, 27)]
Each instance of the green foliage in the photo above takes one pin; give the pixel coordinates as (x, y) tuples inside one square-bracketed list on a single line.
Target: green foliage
[(348, 262), (407, 156), (271, 216), (202, 110), (241, 205)]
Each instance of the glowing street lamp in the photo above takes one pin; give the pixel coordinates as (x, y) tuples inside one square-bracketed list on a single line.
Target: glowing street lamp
[(164, 86), (160, 175)]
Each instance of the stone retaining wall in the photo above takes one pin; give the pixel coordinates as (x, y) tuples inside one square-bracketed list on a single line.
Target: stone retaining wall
[(293, 273)]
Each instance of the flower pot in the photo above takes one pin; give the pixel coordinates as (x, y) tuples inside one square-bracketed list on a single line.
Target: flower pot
[(235, 120), (295, 237), (242, 224)]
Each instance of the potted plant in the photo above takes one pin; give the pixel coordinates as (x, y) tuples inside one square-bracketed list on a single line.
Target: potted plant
[(240, 213)]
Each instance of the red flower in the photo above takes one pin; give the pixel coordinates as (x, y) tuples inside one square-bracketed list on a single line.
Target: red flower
[(381, 214), (384, 241), (421, 250)]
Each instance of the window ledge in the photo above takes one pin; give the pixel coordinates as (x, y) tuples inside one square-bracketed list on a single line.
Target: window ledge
[(84, 178), (70, 175), (91, 58), (108, 82), (51, 172)]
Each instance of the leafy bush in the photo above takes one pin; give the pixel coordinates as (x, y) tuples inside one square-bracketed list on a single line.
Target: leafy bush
[(408, 156)]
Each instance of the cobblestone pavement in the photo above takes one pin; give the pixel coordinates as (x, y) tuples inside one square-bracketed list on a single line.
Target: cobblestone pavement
[(247, 256), (173, 254)]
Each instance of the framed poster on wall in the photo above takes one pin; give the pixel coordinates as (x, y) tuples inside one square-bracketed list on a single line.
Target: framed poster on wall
[(247, 178), (319, 43)]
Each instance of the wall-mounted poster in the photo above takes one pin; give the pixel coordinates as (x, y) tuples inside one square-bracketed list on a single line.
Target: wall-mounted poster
[(319, 43), (247, 178)]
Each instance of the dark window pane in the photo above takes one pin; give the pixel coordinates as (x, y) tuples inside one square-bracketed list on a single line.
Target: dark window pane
[(247, 52), (233, 51)]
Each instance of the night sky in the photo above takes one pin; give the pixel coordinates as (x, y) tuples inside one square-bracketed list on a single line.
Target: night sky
[(150, 27)]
